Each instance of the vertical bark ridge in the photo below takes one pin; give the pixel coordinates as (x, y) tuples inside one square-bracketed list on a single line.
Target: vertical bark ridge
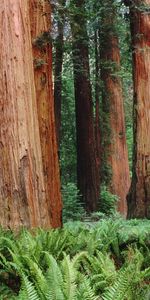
[(23, 189), (139, 195), (42, 53), (115, 145)]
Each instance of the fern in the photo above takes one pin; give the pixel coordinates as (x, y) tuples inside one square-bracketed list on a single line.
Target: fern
[(54, 279), (119, 288), (69, 276), (6, 292), (85, 290), (105, 260), (101, 269), (37, 276), (28, 291)]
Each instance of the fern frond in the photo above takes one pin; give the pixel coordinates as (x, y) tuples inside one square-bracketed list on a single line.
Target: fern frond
[(37, 276), (54, 279), (118, 290), (85, 291), (28, 291), (78, 258), (69, 275)]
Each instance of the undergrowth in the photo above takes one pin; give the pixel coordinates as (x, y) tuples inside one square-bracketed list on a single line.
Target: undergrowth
[(105, 260)]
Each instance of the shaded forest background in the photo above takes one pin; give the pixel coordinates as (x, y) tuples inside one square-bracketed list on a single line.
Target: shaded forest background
[(65, 93)]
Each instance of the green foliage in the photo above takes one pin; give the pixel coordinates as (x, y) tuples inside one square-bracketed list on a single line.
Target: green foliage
[(118, 290), (38, 63), (42, 40), (68, 130), (127, 83), (108, 201), (129, 135), (73, 208), (129, 278), (104, 260), (6, 292)]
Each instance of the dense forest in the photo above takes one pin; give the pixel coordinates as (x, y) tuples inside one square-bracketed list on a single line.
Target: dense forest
[(75, 150)]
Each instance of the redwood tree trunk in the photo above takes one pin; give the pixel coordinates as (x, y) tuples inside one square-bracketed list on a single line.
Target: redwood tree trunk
[(58, 69), (87, 169), (42, 55), (139, 196), (23, 196), (114, 137)]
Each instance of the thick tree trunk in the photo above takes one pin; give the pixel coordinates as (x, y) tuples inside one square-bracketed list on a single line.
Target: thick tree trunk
[(114, 137), (23, 196), (58, 70), (87, 171), (42, 55), (139, 196)]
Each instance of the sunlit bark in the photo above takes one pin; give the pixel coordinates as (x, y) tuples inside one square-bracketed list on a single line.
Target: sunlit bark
[(42, 57), (139, 196), (23, 191), (114, 136)]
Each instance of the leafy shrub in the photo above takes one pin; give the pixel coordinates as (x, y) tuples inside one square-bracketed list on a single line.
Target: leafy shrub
[(108, 201), (129, 136), (73, 208)]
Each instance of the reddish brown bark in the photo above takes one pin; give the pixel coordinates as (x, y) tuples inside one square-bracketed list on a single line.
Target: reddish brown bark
[(22, 188), (42, 54), (139, 196), (87, 171), (113, 112)]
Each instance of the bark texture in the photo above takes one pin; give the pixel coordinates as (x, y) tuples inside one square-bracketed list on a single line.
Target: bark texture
[(114, 136), (87, 168), (139, 196), (42, 54), (23, 196)]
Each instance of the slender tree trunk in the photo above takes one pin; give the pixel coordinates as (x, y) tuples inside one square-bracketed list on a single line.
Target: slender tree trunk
[(97, 102), (42, 54), (139, 195), (23, 198), (114, 137), (58, 69), (87, 171)]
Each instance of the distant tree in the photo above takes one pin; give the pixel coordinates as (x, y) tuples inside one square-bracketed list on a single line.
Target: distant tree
[(25, 178), (139, 195), (97, 100), (115, 155), (68, 157), (87, 167), (59, 49)]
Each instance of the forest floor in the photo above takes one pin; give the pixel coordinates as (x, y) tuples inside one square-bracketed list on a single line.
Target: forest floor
[(108, 259)]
